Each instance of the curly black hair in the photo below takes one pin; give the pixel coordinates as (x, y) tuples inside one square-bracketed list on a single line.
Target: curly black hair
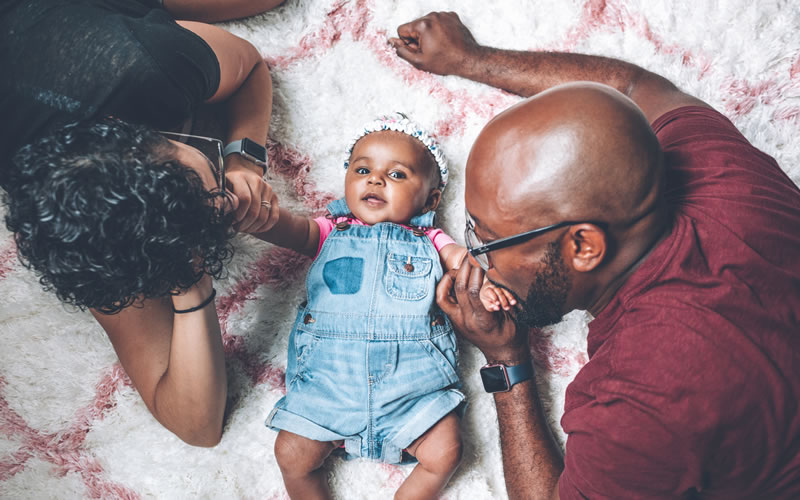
[(105, 215)]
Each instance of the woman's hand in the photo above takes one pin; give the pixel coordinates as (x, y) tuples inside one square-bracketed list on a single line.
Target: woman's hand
[(257, 210), (438, 43)]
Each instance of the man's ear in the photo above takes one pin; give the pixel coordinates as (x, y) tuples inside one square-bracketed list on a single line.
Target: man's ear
[(434, 198), (587, 247)]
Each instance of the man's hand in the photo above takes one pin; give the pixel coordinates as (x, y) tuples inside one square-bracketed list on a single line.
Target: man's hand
[(494, 333), (438, 43), (251, 215)]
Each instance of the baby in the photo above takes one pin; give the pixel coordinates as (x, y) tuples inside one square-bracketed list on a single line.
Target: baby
[(372, 359)]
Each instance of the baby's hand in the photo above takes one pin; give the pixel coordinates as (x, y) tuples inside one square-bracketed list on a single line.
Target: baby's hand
[(494, 298)]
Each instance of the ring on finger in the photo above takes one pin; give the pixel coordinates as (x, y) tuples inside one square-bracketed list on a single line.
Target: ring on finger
[(266, 204)]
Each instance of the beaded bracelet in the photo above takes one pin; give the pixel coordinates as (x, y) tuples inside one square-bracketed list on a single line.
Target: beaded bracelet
[(197, 308)]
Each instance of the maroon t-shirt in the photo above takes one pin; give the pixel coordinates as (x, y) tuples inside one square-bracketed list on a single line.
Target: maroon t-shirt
[(693, 382)]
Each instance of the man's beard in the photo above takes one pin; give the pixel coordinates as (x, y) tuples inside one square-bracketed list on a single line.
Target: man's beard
[(547, 294)]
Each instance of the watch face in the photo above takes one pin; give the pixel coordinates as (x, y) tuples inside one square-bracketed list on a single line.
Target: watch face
[(494, 378), (254, 149)]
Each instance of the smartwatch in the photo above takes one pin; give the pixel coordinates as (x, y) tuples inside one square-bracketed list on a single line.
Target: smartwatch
[(501, 378), (250, 150)]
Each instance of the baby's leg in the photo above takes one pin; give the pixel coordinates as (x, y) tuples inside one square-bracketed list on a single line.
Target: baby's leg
[(439, 453), (300, 460)]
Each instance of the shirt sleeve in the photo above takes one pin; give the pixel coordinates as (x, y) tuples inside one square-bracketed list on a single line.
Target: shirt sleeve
[(174, 71), (325, 227), (439, 238)]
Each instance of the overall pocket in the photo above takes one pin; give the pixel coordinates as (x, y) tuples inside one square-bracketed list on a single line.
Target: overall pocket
[(303, 346), (407, 276)]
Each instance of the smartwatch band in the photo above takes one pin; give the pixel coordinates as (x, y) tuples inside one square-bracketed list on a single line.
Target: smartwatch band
[(519, 373), (249, 149)]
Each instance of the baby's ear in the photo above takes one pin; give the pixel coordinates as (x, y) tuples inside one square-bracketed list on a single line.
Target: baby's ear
[(432, 203)]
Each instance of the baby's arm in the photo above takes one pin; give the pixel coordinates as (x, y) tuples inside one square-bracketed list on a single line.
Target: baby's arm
[(493, 298), (293, 231)]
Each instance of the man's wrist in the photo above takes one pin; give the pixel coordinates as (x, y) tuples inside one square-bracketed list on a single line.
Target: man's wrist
[(510, 356), (473, 64)]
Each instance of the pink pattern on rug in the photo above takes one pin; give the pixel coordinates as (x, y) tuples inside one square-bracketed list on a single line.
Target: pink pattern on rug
[(614, 15), (65, 449), (8, 259), (353, 18), (293, 165), (563, 361)]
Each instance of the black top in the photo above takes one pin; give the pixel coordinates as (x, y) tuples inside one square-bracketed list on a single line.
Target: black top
[(66, 60)]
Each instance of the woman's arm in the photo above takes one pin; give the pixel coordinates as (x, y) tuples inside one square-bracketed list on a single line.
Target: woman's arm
[(175, 361), (245, 88)]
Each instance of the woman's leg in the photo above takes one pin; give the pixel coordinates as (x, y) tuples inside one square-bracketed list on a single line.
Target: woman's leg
[(300, 460), (212, 11), (439, 453)]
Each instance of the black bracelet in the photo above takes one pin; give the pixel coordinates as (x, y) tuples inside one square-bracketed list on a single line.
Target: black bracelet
[(197, 308)]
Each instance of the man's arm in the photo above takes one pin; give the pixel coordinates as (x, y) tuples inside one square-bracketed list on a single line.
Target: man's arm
[(441, 44), (532, 460)]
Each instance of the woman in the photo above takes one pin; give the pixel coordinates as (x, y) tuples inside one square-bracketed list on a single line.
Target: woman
[(116, 217)]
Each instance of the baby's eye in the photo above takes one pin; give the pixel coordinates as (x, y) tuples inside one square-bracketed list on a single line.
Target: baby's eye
[(362, 170), (397, 175)]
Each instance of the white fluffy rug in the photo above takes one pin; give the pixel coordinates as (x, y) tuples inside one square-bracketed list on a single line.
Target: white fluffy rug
[(70, 424)]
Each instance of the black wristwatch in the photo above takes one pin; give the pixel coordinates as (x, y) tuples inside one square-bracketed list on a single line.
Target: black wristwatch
[(250, 150), (501, 378)]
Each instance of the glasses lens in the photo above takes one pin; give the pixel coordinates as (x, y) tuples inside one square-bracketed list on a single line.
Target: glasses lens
[(473, 242), (210, 147)]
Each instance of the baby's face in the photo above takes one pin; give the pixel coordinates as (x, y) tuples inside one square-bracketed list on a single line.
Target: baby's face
[(389, 178)]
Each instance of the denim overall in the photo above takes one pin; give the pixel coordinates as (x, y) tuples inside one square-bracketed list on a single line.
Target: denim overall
[(372, 359)]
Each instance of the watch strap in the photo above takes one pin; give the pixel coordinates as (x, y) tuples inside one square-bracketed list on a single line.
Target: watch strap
[(519, 373), (239, 147)]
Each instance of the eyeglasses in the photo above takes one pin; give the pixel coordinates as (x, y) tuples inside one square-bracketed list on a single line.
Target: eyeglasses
[(479, 249), (210, 147)]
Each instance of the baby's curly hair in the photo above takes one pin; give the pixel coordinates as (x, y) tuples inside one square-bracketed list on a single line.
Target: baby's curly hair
[(105, 215)]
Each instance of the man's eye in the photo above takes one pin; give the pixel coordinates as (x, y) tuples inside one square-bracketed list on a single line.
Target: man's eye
[(397, 175), (362, 170)]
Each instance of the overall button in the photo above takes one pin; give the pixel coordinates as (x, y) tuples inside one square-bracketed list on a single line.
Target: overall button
[(438, 320), (341, 226), (418, 232), (409, 267), (308, 319)]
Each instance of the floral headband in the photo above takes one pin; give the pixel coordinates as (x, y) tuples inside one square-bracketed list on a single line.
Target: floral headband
[(399, 122)]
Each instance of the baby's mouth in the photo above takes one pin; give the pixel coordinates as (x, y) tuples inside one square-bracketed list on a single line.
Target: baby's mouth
[(373, 198)]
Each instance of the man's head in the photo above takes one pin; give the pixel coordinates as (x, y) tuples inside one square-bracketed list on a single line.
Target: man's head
[(580, 153), (109, 212)]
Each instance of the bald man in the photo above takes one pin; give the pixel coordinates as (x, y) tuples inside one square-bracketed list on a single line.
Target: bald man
[(612, 191)]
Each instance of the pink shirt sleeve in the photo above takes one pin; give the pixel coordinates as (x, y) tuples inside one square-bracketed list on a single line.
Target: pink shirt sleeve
[(439, 238), (325, 227)]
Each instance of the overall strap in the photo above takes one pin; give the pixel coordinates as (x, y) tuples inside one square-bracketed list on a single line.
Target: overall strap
[(423, 220), (338, 208)]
